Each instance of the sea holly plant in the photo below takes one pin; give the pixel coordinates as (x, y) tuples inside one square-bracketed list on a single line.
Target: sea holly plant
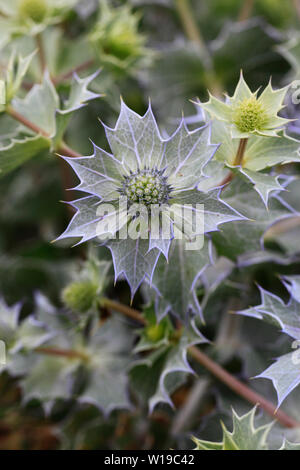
[(253, 135), (285, 372), (244, 436), (30, 17), (144, 175), (247, 113), (41, 116), (128, 340), (116, 38)]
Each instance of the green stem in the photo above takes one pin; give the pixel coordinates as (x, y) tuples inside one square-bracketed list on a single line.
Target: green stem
[(246, 10), (85, 65), (238, 161), (63, 149), (188, 22), (41, 51), (23, 120), (297, 7), (193, 33), (67, 353), (240, 152), (242, 389), (218, 371), (128, 311)]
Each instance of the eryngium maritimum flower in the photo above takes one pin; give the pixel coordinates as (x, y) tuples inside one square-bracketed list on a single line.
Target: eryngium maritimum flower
[(149, 172), (247, 113), (116, 38), (31, 16)]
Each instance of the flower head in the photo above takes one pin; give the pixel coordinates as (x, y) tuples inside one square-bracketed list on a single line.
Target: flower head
[(144, 177), (116, 38), (31, 16), (247, 113), (80, 295), (36, 10), (147, 186)]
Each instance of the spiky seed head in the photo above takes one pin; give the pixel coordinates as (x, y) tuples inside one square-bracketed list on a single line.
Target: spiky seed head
[(249, 115), (35, 10), (80, 295), (146, 187)]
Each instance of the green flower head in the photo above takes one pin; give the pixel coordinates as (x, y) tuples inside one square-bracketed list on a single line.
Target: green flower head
[(116, 38), (36, 10), (247, 113), (31, 17)]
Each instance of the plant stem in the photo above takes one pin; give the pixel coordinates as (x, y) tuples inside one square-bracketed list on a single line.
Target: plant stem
[(23, 120), (227, 179), (41, 51), (240, 152), (193, 33), (62, 148), (297, 7), (85, 65), (188, 22), (128, 311), (68, 353), (238, 161), (218, 371), (246, 10), (242, 389), (57, 80), (283, 226)]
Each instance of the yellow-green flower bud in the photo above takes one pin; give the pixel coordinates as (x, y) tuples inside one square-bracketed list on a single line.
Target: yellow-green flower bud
[(80, 295), (155, 333), (34, 10), (122, 42), (250, 115)]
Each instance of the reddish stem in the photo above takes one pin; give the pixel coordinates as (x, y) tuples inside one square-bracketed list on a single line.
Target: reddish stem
[(218, 371)]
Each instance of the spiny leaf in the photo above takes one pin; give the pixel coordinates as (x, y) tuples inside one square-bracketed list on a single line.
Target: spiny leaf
[(239, 238), (109, 349), (134, 260), (98, 363), (263, 184), (16, 71), (243, 437), (79, 96), (19, 151), (273, 310), (152, 377), (285, 375), (175, 281), (19, 337), (289, 446), (285, 372), (40, 105)]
